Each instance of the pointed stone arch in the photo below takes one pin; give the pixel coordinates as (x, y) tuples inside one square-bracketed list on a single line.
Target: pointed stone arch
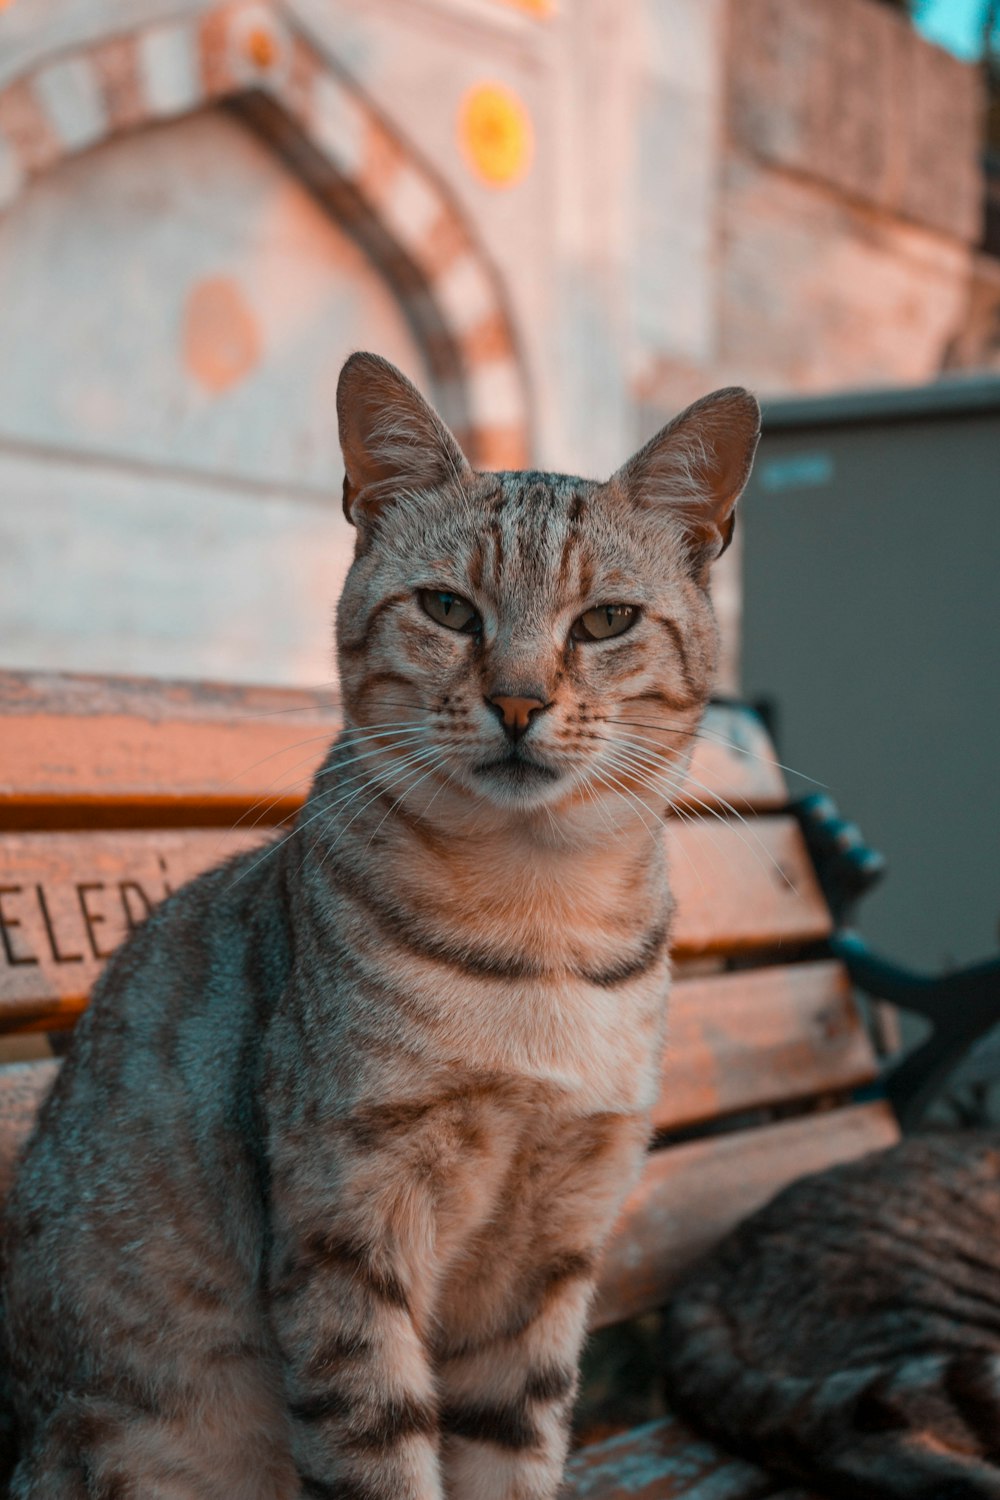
[(254, 57)]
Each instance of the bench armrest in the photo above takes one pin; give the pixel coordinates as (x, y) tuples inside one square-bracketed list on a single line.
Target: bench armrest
[(961, 1006), (846, 867)]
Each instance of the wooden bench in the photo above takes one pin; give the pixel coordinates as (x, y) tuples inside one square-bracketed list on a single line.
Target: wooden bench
[(113, 792)]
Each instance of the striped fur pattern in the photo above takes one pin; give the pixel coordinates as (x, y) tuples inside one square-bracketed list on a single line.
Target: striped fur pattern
[(849, 1334), (316, 1206)]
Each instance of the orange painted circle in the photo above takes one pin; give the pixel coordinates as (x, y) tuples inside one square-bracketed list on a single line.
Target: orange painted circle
[(262, 49), (221, 339), (496, 134)]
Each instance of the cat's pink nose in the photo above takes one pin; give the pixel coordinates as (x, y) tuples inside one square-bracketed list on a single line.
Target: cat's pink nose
[(516, 713)]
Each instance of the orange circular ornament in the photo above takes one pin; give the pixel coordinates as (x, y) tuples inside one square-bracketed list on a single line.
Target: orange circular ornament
[(221, 337), (262, 49), (495, 132)]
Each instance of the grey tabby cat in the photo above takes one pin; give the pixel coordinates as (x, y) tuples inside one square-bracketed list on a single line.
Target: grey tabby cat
[(316, 1205), (848, 1335)]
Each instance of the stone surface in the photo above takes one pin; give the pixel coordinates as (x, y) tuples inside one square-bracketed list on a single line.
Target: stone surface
[(168, 67), (197, 316), (107, 569), (941, 143), (56, 28), (976, 343), (672, 274), (846, 92), (816, 293), (774, 192), (69, 94)]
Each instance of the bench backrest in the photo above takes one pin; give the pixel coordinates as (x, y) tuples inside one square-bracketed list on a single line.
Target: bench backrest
[(113, 792)]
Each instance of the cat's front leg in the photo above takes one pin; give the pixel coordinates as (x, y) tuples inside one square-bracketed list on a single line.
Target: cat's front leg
[(361, 1399), (510, 1344), (506, 1403)]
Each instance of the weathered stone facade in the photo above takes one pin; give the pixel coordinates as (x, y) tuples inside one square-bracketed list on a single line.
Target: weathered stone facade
[(976, 343), (849, 203), (678, 194)]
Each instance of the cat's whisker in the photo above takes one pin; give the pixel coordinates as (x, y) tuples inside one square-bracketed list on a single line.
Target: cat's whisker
[(325, 804), (678, 846), (691, 820), (760, 849), (416, 726), (283, 788), (630, 767), (399, 703), (405, 793), (445, 782), (600, 807), (381, 724), (368, 777), (550, 818), (711, 735), (621, 750), (675, 783), (682, 787), (656, 833), (382, 732), (614, 784), (691, 780), (420, 758), (298, 708), (284, 750), (330, 803), (312, 739)]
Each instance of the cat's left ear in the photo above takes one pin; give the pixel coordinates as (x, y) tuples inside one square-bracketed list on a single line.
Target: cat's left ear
[(697, 466), (392, 440)]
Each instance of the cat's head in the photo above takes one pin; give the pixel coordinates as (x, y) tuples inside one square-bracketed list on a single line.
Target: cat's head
[(528, 637)]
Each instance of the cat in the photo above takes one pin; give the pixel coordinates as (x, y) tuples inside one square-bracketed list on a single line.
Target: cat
[(316, 1204), (848, 1335)]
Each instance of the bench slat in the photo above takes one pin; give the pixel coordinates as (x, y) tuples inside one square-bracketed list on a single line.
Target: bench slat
[(92, 751), (691, 1195), (68, 899), (667, 1460), (743, 886), (761, 1036), (733, 762), (663, 1460)]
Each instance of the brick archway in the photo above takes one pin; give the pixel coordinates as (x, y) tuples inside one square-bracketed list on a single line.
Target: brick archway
[(254, 57)]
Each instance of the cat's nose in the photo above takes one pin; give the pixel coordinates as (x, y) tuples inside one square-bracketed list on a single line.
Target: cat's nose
[(515, 713)]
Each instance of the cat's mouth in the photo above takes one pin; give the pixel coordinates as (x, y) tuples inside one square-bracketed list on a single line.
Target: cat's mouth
[(518, 768)]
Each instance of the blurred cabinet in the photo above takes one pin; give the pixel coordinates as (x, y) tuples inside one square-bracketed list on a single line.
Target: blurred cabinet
[(871, 623)]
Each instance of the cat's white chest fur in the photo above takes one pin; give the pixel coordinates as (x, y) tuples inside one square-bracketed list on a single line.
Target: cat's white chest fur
[(601, 1047), (566, 971)]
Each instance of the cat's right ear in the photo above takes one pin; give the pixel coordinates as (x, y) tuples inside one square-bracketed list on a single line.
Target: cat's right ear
[(696, 468), (391, 439)]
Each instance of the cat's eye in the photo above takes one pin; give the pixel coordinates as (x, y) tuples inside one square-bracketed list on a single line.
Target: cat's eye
[(450, 610), (602, 623)]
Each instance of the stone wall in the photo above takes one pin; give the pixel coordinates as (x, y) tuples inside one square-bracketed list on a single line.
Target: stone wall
[(846, 93), (849, 202), (782, 193), (976, 343), (837, 230)]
